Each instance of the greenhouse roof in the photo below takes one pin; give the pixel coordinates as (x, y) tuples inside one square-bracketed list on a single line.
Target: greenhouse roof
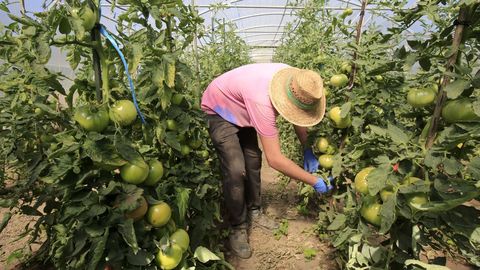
[(261, 23)]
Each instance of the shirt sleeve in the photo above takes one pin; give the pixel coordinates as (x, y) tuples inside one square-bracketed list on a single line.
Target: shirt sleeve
[(262, 118)]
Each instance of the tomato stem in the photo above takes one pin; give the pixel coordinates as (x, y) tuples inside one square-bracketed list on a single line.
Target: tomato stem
[(357, 40), (442, 96)]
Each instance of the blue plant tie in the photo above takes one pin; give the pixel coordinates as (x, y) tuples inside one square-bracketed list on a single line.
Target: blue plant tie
[(105, 33)]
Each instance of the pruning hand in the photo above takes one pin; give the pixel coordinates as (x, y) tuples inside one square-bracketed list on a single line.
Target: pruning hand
[(323, 186)]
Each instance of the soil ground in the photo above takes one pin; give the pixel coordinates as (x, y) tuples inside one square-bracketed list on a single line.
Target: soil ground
[(9, 241), (286, 253)]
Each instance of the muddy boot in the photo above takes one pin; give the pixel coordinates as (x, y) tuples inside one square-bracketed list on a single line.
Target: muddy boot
[(238, 241), (258, 218)]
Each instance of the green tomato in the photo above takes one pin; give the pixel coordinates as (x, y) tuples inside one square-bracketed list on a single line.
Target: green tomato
[(326, 161), (91, 119), (378, 78), (195, 143), (371, 213), (386, 193), (361, 183), (459, 110), (204, 154), (346, 67), (171, 124), (322, 144), (185, 150), (417, 198), (339, 122), (39, 112), (169, 257), (155, 173), (123, 112), (339, 80), (134, 173), (181, 237), (347, 12), (326, 92), (89, 18), (177, 99), (419, 98)]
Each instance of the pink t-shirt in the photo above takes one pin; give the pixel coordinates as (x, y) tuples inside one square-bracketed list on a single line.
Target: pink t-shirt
[(241, 97)]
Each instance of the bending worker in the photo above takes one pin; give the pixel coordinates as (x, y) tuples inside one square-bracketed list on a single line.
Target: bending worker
[(243, 103)]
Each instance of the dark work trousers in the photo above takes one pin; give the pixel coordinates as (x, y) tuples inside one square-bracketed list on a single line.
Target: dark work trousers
[(240, 161)]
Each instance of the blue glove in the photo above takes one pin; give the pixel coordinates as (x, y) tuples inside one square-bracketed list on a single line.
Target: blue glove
[(322, 187), (310, 161)]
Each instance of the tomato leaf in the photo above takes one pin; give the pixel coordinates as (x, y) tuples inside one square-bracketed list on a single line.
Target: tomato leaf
[(337, 223), (98, 248), (141, 258), (464, 222), (398, 136), (377, 179), (127, 152), (63, 165), (127, 231), (432, 160), (388, 213), (182, 197), (476, 106), (357, 122), (450, 188), (378, 130), (103, 154), (451, 166), (425, 63), (343, 236), (345, 109), (474, 167), (204, 255), (455, 89)]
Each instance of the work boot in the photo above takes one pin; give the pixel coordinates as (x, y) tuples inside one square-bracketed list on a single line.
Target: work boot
[(257, 218), (238, 241)]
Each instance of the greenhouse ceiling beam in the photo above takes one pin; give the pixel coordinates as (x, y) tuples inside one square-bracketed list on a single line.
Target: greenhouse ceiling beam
[(283, 7), (258, 32), (263, 46), (259, 26), (258, 35), (253, 6), (265, 39), (256, 15)]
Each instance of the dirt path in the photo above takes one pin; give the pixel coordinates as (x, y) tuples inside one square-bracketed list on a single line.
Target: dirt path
[(286, 253), (9, 241)]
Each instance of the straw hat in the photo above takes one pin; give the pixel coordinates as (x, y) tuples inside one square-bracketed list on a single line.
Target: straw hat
[(297, 94)]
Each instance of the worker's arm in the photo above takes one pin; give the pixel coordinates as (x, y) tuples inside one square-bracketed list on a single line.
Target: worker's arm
[(276, 160)]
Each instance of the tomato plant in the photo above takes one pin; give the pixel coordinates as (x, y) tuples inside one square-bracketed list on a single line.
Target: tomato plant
[(65, 164), (384, 129)]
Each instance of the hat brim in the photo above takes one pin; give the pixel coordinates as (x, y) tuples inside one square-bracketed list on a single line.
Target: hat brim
[(288, 110)]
